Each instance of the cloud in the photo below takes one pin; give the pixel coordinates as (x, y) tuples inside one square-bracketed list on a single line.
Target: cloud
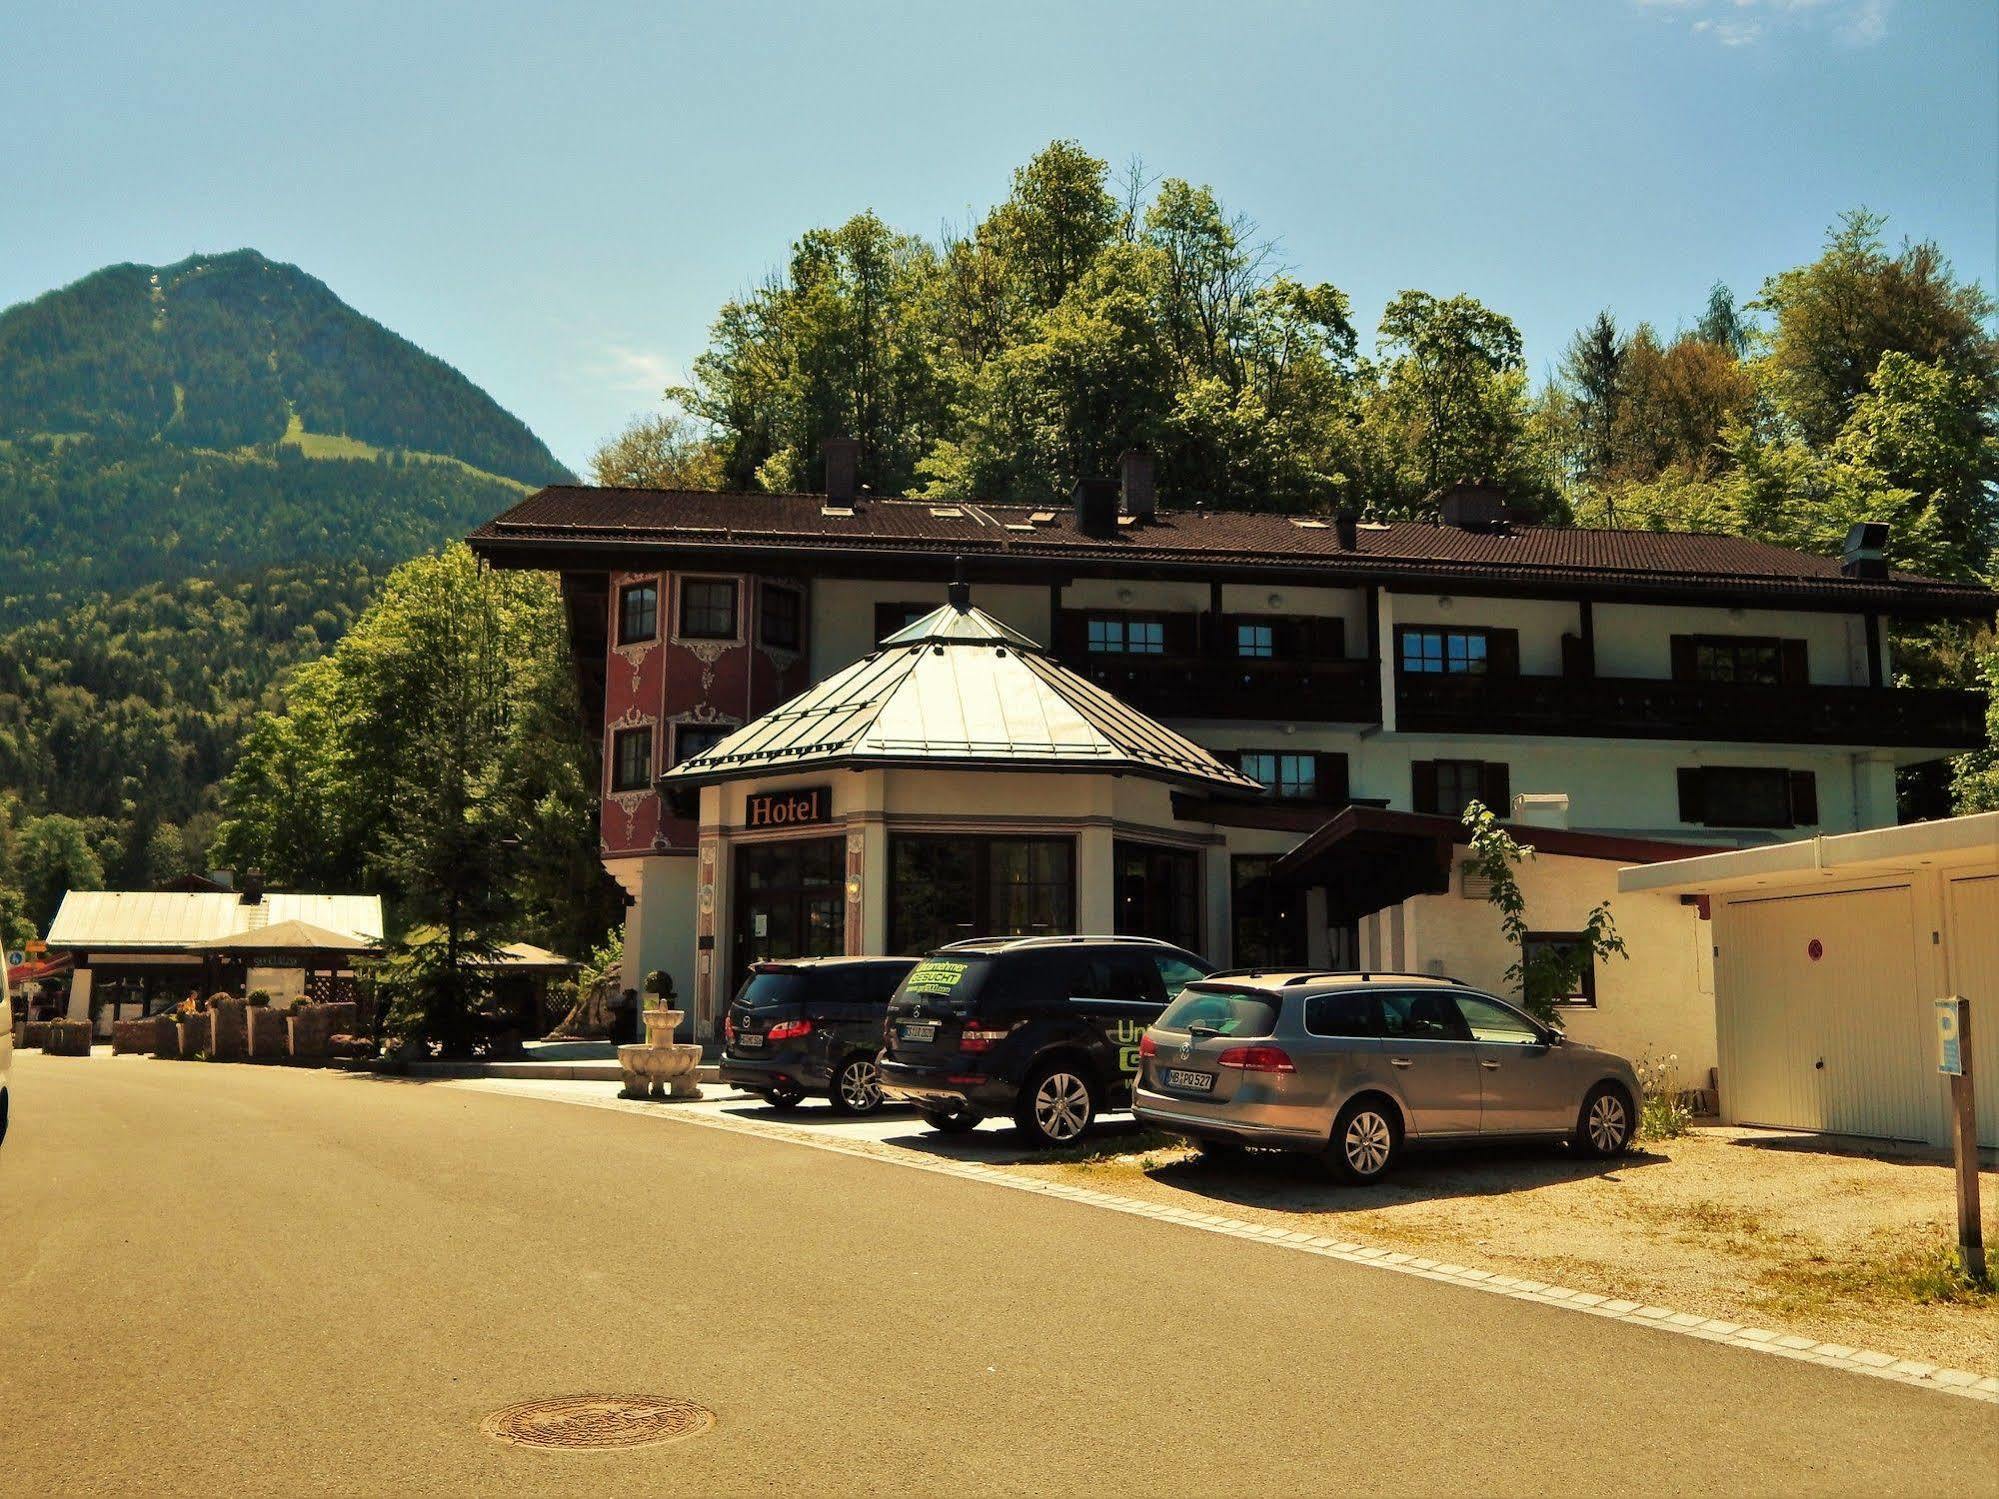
[(1744, 23), (624, 368)]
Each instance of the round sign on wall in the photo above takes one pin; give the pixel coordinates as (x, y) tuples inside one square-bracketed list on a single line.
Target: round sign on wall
[(16, 958), (1815, 949)]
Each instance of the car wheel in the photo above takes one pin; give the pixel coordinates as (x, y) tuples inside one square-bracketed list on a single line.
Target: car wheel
[(950, 1124), (1367, 1137), (857, 1086), (784, 1100), (1056, 1106), (1603, 1128)]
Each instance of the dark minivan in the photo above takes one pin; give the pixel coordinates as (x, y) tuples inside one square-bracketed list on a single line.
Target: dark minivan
[(1042, 1029), (811, 1025)]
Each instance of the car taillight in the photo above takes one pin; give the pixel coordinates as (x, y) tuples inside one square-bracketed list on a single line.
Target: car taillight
[(1147, 1046), (786, 1030), (1256, 1059), (728, 1028), (976, 1040)]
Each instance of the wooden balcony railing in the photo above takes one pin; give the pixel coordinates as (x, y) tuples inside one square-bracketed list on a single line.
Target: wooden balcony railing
[(1638, 708), (1316, 691)]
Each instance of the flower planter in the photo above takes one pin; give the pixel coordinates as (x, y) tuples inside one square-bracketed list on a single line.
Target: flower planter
[(229, 1032), (67, 1038), (193, 1033), (264, 1033), (312, 1028), (137, 1037), (35, 1033)]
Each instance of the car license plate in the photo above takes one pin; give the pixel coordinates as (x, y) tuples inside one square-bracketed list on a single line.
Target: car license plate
[(748, 1043), (1193, 1082), (918, 1032)]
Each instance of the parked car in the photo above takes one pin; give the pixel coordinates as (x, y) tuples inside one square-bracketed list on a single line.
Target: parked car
[(1358, 1066), (811, 1025), (6, 1052), (1042, 1029)]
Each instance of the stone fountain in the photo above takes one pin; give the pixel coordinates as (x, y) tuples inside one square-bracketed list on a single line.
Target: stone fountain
[(660, 1067)]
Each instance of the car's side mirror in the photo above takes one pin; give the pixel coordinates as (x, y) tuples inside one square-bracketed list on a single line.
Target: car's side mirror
[(1553, 1036)]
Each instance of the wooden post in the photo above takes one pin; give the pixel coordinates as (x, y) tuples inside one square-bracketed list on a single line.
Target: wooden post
[(1964, 1147)]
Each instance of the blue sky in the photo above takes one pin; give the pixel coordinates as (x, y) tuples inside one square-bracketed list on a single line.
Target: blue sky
[(556, 198)]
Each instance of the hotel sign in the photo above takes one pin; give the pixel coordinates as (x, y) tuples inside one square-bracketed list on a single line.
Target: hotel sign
[(788, 809)]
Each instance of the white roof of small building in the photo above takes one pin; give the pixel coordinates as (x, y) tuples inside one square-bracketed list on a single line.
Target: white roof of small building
[(1947, 843), (958, 688), (172, 920)]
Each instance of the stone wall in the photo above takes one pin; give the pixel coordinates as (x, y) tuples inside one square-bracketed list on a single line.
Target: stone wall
[(265, 1033), (313, 1026), (139, 1037), (229, 1032), (68, 1038)]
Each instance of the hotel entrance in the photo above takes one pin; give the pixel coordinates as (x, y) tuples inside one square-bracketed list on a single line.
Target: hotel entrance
[(790, 902)]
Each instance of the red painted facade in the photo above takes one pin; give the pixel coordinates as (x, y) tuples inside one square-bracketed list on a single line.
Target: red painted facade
[(687, 677)]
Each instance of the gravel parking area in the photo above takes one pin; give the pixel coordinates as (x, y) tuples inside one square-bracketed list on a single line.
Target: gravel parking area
[(1754, 1226)]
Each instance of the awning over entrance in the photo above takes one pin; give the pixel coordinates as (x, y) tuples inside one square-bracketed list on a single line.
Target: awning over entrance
[(958, 688), (1369, 858)]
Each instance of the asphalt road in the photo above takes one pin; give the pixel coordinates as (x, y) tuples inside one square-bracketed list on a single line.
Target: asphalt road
[(241, 1280)]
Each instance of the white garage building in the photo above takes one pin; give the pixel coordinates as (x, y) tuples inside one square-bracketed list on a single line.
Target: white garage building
[(1828, 954)]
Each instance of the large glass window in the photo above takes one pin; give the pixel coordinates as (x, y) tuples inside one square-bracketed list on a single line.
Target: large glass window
[(1269, 919), (782, 622), (1451, 652), (1158, 893), (708, 608), (1744, 797), (1258, 642), (1116, 635), (1720, 659), (1459, 784), (1560, 967), (638, 613), (631, 760), (1293, 777), (947, 887)]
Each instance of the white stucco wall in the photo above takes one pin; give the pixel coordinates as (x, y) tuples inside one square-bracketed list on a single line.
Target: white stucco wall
[(1635, 640), (843, 614), (1659, 999)]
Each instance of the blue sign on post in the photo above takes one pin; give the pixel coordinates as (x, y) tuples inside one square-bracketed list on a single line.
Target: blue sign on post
[(16, 958), (1950, 1046)]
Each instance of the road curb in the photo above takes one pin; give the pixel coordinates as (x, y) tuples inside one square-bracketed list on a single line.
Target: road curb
[(1958, 1382)]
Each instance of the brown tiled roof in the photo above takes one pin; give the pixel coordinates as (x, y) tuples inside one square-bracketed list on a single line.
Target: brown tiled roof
[(567, 519)]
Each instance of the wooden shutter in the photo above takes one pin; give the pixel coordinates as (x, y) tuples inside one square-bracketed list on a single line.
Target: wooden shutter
[(1496, 788), (1331, 776), (1686, 667), (1423, 785), (1796, 668), (1502, 653), (1181, 635), (1693, 803), (1805, 798), (1072, 634), (1326, 637), (1575, 660)]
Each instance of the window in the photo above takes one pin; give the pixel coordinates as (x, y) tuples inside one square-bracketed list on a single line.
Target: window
[(781, 623), (1742, 796), (1560, 968), (1222, 1012), (1751, 660), (691, 739), (790, 901), (1349, 1014), (1257, 641), (638, 613), (1446, 787), (1158, 893), (1175, 974), (631, 760), (946, 887), (1422, 1017), (708, 608), (1304, 777), (1451, 652), (1115, 636), (1490, 1021)]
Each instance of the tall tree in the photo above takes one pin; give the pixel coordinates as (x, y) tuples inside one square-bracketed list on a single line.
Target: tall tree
[(1722, 324), (1593, 366), (1451, 381)]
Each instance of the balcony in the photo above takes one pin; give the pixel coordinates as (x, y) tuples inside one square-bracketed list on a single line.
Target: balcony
[(1637, 708), (1312, 691)]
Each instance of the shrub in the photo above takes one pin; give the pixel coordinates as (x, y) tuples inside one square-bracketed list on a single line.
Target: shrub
[(1663, 1114), (258, 998)]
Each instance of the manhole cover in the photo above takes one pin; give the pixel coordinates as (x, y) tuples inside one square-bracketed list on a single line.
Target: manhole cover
[(597, 1423)]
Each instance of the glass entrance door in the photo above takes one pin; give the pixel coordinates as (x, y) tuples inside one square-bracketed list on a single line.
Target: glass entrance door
[(790, 902)]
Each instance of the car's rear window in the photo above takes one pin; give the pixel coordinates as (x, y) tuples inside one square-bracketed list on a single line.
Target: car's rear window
[(762, 990), (947, 978), (1222, 1012)]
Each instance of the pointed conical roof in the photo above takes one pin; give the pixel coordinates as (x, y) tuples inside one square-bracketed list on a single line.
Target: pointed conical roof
[(958, 689)]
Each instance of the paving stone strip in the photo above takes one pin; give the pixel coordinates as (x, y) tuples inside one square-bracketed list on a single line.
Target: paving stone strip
[(1959, 1382)]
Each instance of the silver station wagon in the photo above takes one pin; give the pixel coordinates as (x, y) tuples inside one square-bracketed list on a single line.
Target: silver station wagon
[(1356, 1066)]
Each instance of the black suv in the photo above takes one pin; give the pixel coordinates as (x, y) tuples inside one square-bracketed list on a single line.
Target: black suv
[(811, 1025), (1045, 1029)]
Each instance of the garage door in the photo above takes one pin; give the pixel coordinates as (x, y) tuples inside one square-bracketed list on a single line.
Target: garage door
[(1972, 910), (1821, 1021)]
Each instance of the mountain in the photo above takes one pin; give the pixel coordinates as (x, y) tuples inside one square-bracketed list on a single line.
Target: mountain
[(226, 414)]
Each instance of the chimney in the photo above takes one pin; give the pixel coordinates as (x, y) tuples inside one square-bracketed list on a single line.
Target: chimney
[(1347, 529), (843, 460), (1474, 505), (1540, 809), (960, 591), (253, 888), (1096, 507), (1135, 474), (1866, 552)]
